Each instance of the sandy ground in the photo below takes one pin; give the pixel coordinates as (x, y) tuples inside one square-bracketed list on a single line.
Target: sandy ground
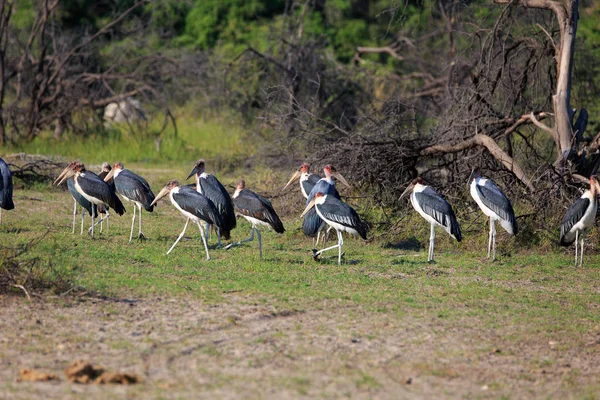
[(246, 348)]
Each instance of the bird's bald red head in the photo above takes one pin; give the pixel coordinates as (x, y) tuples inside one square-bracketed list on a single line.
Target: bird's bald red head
[(241, 184), (118, 165), (319, 194), (172, 184), (305, 167)]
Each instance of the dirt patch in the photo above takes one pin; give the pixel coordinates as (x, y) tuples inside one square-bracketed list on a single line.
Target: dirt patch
[(248, 348)]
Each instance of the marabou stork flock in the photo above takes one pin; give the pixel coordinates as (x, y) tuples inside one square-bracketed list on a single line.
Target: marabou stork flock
[(207, 202)]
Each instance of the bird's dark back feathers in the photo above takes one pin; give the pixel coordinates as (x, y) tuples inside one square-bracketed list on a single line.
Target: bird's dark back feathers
[(253, 205), (135, 187), (90, 183), (216, 192), (434, 205), (496, 200), (82, 201), (574, 214), (334, 209), (6, 187), (199, 205)]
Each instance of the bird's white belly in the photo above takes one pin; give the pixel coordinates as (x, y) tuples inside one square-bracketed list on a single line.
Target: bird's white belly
[(418, 208), (185, 213), (337, 226), (587, 221), (133, 201), (485, 209), (256, 222), (86, 196)]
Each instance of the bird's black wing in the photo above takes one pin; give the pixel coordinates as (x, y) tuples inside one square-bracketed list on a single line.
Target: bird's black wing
[(6, 187), (216, 192), (134, 187), (496, 200), (310, 183), (574, 214), (436, 206), (197, 204), (311, 224), (92, 185), (82, 201), (253, 205), (335, 210)]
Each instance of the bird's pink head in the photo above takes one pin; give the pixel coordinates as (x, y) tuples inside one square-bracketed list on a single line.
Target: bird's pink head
[(475, 173), (106, 167), (198, 168), (319, 194), (119, 166), (241, 184), (304, 168)]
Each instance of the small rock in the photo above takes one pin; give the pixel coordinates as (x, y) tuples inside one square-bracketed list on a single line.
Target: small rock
[(408, 381), (484, 387)]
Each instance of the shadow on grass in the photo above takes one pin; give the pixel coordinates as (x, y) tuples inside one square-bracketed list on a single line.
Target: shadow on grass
[(408, 244)]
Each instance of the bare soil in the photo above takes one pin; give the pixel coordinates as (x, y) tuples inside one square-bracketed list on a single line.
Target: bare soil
[(247, 348)]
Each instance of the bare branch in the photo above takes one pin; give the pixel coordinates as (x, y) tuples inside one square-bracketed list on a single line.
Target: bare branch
[(380, 50)]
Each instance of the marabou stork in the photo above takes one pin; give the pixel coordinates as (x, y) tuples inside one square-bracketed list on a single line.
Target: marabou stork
[(435, 209), (313, 224), (194, 206), (6, 188), (579, 217), (257, 210), (82, 201), (134, 188), (338, 215), (103, 209), (92, 188), (210, 187), (494, 203), (307, 180)]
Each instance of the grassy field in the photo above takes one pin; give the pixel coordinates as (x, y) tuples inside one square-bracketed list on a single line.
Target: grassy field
[(385, 324)]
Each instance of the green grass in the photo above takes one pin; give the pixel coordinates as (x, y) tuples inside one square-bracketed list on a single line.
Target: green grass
[(220, 141), (542, 291)]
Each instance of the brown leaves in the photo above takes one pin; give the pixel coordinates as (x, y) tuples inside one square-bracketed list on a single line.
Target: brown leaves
[(81, 372), (32, 375)]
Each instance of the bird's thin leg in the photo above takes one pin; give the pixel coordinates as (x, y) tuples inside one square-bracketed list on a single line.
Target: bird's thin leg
[(93, 220), (132, 222), (576, 243), (493, 222), (341, 243), (101, 222), (431, 243), (203, 239), (107, 220), (207, 231), (74, 214), (581, 255), (180, 236), (140, 233), (326, 236), (219, 237), (0, 215), (82, 215), (251, 238), (490, 238), (259, 243), (318, 253)]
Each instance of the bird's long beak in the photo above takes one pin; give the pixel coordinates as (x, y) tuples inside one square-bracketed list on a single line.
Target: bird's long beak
[(165, 191), (64, 171), (339, 177), (407, 191), (69, 173), (294, 178), (109, 176), (471, 177), (192, 173), (308, 207)]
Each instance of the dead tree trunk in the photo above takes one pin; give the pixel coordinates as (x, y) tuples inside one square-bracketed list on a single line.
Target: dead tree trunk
[(566, 13)]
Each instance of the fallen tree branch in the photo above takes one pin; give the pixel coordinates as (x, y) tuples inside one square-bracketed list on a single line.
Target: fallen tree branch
[(380, 50), (487, 142)]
